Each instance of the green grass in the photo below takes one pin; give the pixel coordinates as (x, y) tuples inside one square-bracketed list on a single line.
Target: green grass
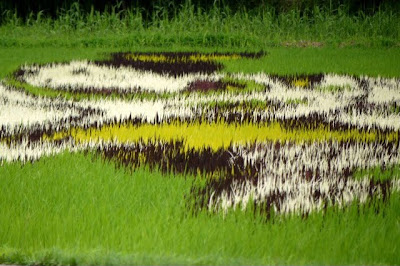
[(73, 209), (191, 26)]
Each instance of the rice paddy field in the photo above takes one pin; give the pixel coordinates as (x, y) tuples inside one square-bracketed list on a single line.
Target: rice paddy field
[(181, 158), (189, 150)]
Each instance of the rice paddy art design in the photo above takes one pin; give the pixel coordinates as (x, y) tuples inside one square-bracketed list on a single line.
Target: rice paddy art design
[(287, 144)]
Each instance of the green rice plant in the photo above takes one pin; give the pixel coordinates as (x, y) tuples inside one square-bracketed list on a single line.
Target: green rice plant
[(73, 209), (395, 108), (353, 61), (378, 173), (333, 88), (297, 101), (249, 85), (78, 96), (39, 91)]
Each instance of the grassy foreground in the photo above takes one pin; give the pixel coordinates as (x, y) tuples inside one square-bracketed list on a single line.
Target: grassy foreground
[(73, 209)]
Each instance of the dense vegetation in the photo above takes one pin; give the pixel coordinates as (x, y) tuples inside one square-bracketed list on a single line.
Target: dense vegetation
[(53, 8), (238, 24)]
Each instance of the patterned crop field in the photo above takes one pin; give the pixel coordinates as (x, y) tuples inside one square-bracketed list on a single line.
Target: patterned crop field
[(291, 144)]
